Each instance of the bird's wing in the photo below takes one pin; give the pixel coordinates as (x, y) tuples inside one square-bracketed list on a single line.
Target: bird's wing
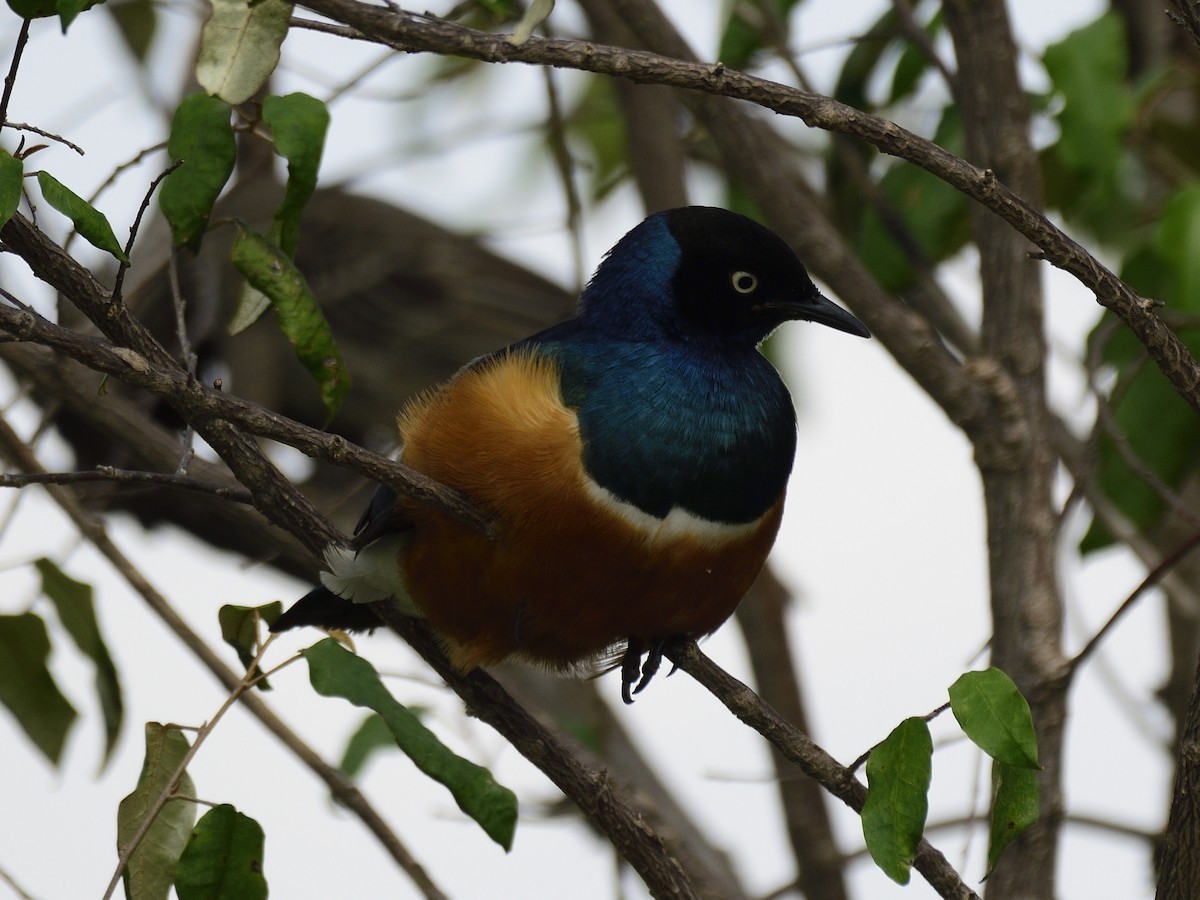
[(382, 517)]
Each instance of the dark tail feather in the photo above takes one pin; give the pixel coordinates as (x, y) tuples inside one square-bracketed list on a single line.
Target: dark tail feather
[(325, 609)]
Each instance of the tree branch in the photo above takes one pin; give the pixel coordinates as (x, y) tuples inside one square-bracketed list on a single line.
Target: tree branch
[(811, 759), (417, 33), (1018, 463)]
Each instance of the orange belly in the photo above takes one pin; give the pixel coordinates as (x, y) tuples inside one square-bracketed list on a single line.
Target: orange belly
[(568, 576)]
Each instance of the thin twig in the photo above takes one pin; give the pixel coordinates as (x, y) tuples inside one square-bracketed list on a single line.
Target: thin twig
[(806, 754), (22, 126), (912, 29), (596, 791), (127, 476), (16, 888), (352, 34), (187, 439), (1155, 575), (116, 173), (862, 759), (10, 80), (137, 223), (565, 166), (358, 77)]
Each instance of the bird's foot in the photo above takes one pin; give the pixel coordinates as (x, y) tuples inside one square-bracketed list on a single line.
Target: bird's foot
[(637, 674)]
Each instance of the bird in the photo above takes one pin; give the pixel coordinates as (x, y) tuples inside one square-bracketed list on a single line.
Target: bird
[(633, 460)]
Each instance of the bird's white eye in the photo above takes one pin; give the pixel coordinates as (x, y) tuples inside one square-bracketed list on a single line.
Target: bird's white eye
[(744, 282)]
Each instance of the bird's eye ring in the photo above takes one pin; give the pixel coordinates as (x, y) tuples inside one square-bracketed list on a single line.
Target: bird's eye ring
[(744, 282)]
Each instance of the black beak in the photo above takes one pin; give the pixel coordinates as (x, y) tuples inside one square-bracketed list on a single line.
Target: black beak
[(819, 308)]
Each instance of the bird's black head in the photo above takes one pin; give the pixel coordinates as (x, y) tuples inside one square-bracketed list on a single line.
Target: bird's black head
[(701, 273), (737, 277)]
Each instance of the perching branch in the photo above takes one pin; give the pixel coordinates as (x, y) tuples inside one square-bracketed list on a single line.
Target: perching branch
[(810, 758)]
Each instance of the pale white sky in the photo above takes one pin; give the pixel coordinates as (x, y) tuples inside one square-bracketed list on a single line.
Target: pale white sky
[(883, 545)]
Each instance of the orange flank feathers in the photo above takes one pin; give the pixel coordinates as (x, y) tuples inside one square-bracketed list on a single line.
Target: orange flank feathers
[(571, 572)]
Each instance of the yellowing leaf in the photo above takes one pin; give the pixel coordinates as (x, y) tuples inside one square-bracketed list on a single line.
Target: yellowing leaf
[(151, 869), (269, 270), (239, 47), (537, 13)]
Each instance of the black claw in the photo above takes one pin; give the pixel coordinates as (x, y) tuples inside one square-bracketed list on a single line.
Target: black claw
[(654, 658), (636, 672), (631, 667)]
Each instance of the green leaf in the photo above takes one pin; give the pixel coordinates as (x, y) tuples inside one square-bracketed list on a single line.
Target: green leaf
[(1088, 69), (859, 69), (223, 859), (77, 612), (202, 137), (743, 38), (1014, 807), (935, 216), (239, 629), (993, 714), (899, 772), (1178, 243), (239, 46), (137, 21), (913, 63), (269, 270), (1162, 433), (336, 672), (91, 224), (33, 9), (597, 121), (373, 734), (298, 125), (1088, 172), (68, 9), (151, 869), (740, 42), (499, 10), (12, 174), (27, 688)]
